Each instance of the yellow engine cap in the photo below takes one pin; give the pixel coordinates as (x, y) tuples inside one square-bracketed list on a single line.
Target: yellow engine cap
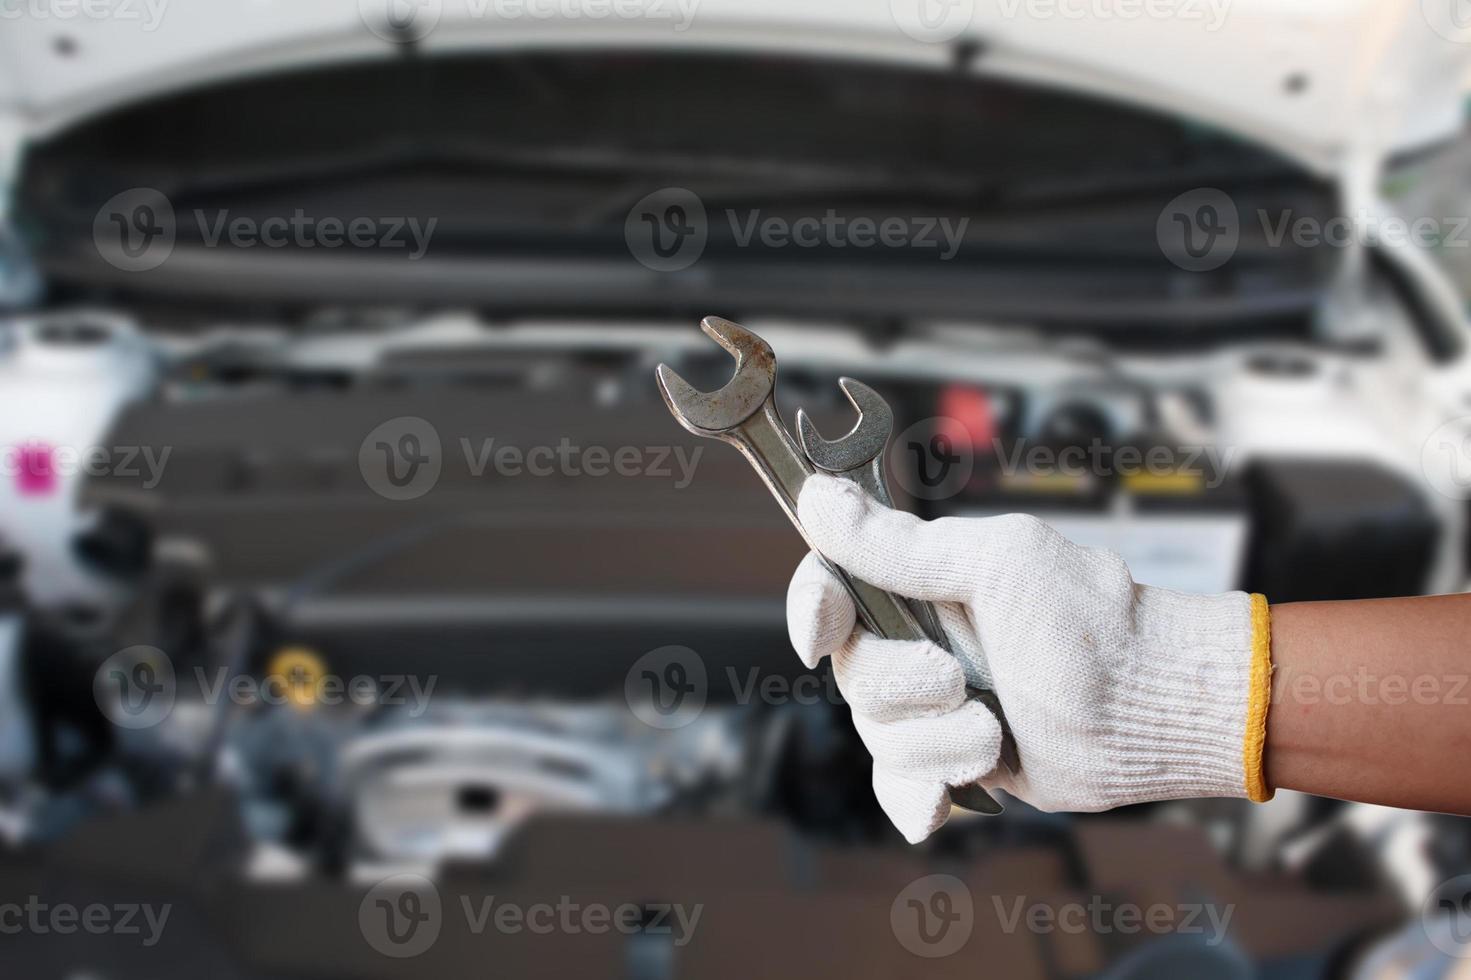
[(298, 671)]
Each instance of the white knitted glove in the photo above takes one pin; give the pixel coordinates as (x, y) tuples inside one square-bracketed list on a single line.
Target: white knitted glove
[(1115, 692)]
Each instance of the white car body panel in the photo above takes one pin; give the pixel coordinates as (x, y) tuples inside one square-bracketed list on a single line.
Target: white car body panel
[(63, 401)]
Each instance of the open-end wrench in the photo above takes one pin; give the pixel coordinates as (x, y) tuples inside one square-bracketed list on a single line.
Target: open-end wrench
[(859, 456), (743, 413)]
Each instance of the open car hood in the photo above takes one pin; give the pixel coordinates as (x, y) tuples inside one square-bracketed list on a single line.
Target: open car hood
[(1334, 84)]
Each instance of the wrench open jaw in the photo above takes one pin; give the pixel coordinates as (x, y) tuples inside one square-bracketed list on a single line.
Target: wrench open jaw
[(863, 444), (710, 413), (743, 413)]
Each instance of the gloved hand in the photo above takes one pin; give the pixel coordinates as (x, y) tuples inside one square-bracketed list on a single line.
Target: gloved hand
[(1115, 692)]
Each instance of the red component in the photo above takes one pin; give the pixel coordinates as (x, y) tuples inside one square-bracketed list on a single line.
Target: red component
[(972, 409)]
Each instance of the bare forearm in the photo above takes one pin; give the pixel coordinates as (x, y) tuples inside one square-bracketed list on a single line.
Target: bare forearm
[(1371, 701)]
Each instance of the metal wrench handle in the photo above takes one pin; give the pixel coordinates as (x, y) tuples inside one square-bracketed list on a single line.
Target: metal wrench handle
[(764, 441)]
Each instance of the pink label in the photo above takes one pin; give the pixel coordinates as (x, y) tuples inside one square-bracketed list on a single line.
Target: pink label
[(35, 474)]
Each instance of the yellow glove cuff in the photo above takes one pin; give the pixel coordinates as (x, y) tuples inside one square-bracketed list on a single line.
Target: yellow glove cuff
[(1259, 698)]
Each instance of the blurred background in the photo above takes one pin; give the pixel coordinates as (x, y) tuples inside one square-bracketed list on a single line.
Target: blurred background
[(364, 613)]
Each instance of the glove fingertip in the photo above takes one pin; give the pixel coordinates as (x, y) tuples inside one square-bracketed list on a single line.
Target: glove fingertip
[(916, 809), (982, 725), (820, 614)]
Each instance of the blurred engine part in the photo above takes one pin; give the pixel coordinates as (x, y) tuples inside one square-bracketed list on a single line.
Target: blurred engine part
[(1311, 515), (20, 280), (456, 784), (17, 736)]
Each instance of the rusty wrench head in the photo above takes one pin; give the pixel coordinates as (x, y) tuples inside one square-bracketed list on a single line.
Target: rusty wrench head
[(711, 413), (743, 412)]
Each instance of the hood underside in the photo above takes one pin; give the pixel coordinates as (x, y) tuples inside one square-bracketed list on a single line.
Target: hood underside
[(1024, 202), (1322, 81)]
